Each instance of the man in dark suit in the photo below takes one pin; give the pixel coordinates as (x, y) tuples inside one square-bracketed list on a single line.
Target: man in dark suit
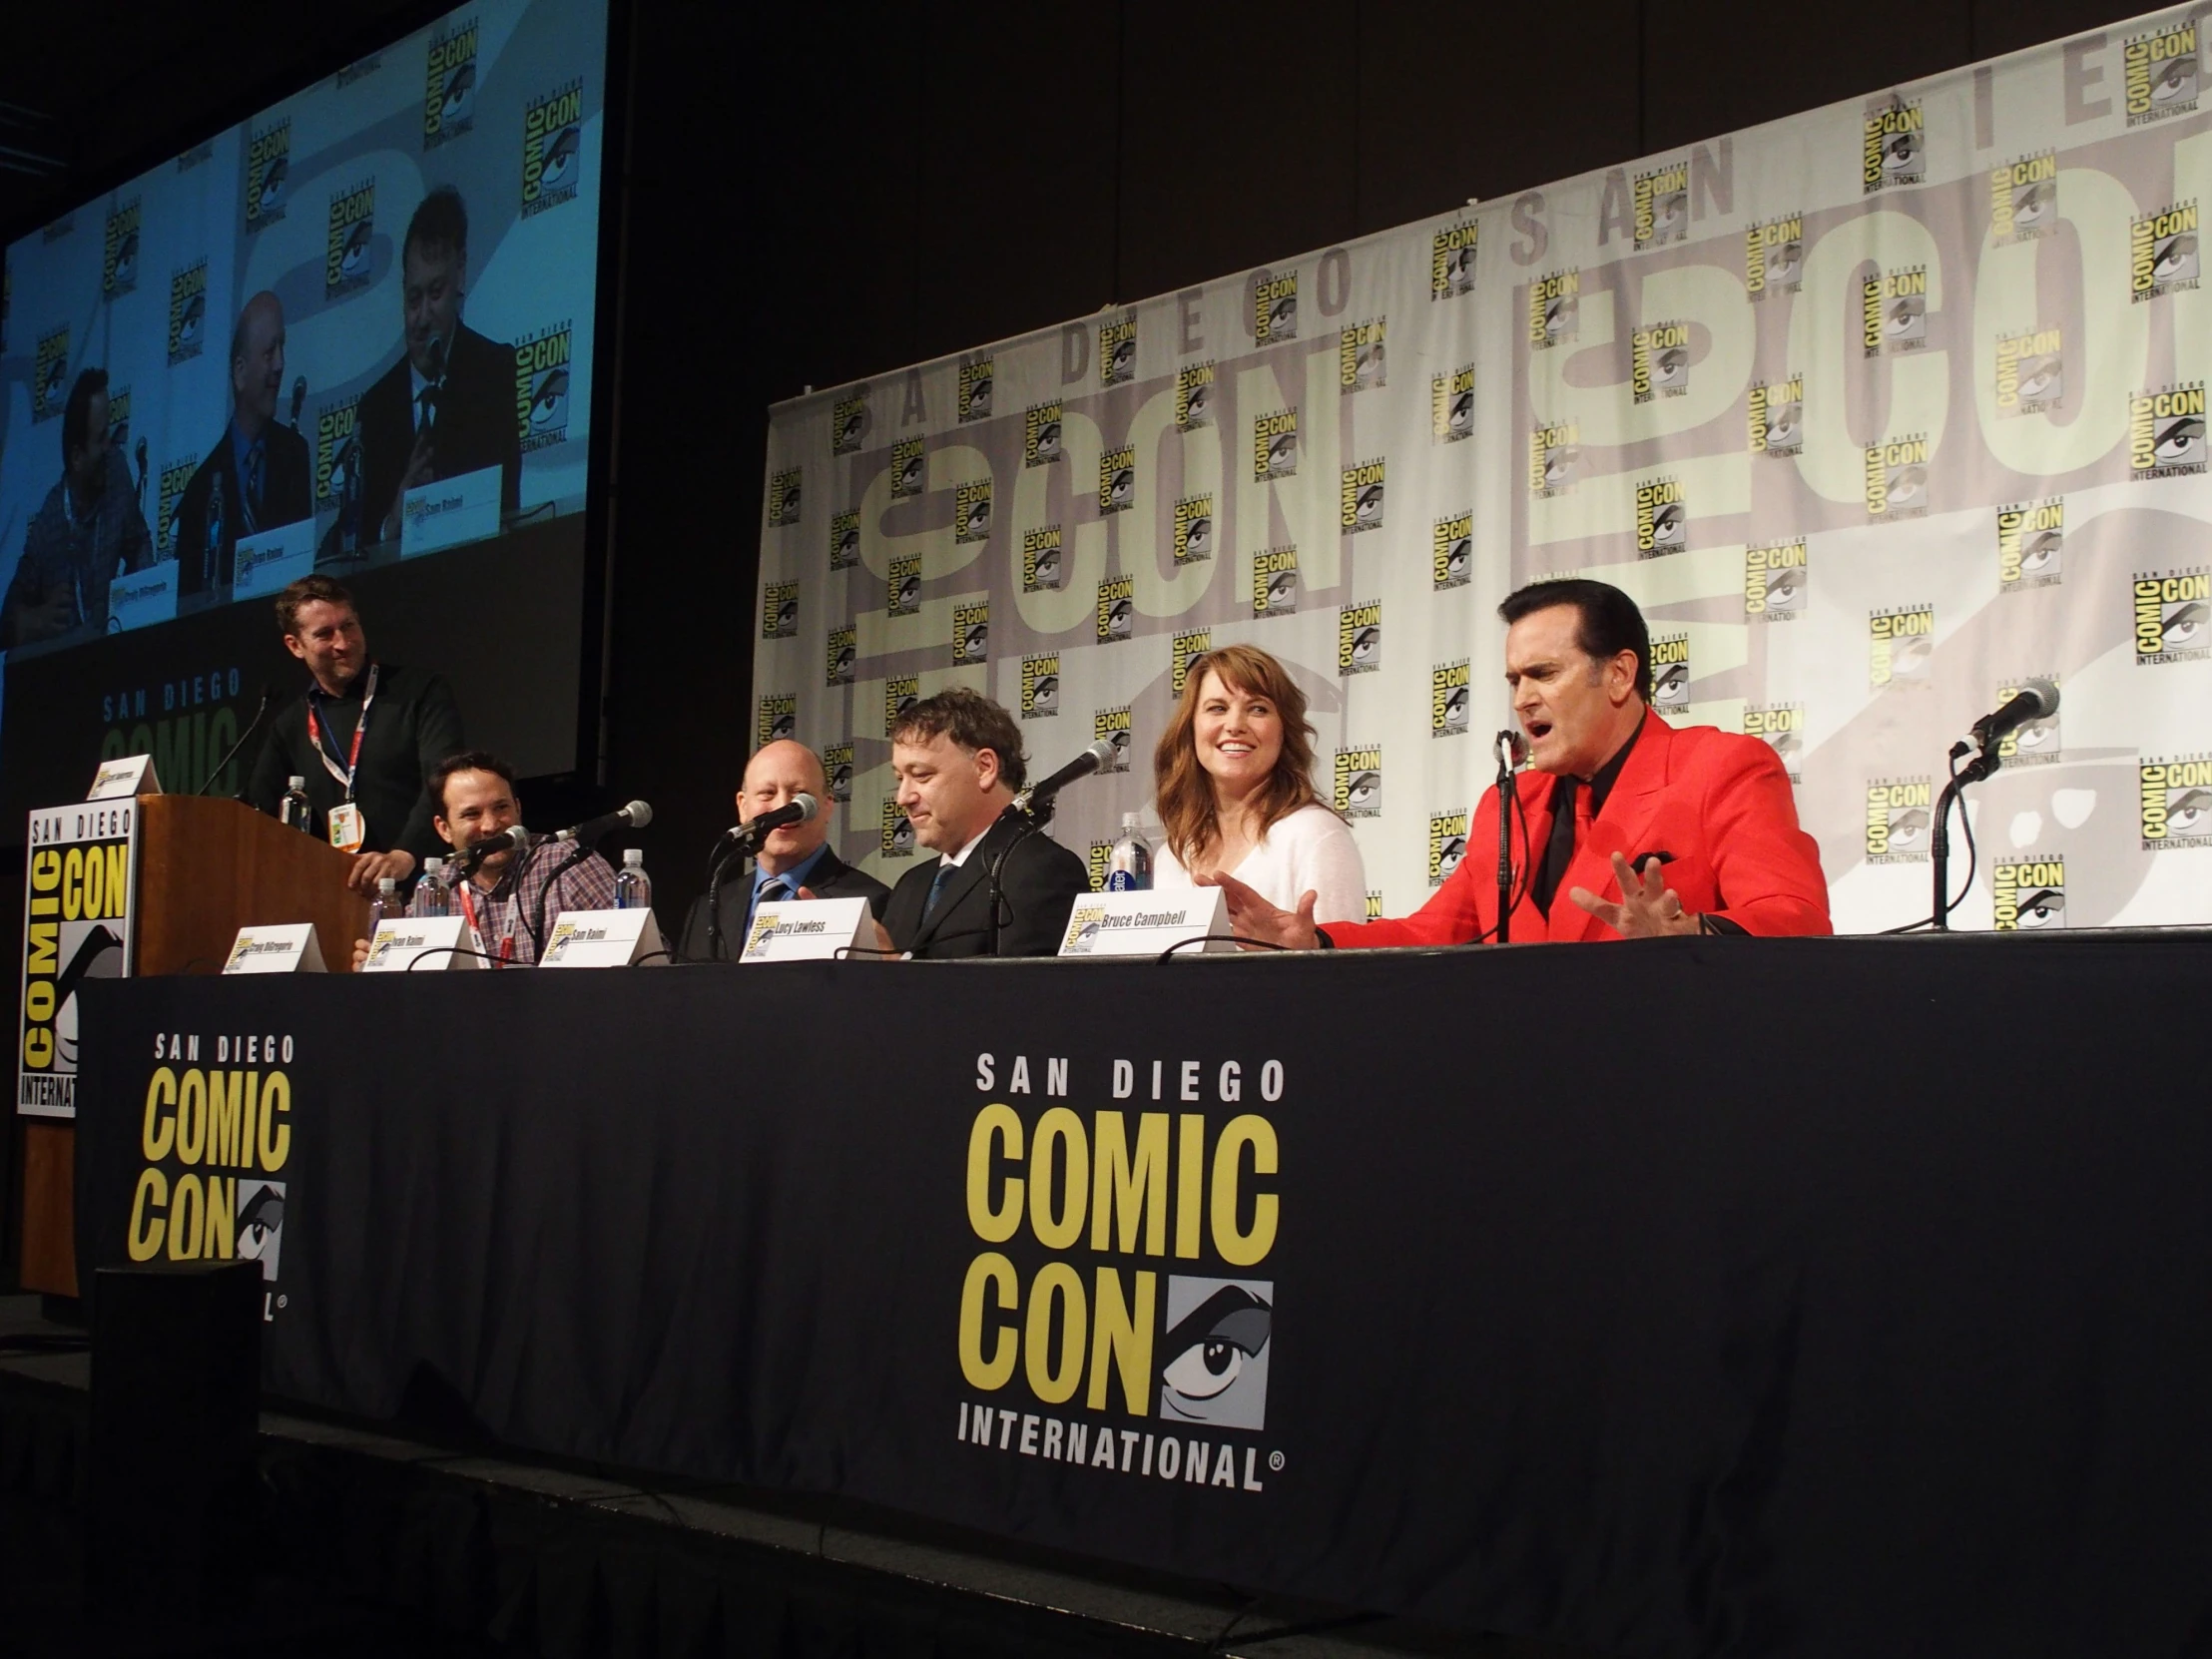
[(449, 405), (959, 763), (795, 862), (259, 476)]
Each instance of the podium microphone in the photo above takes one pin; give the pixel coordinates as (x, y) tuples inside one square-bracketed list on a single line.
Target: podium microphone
[(635, 815), (141, 474), (801, 809), (1039, 794), (470, 858), (1512, 752), (260, 713), (299, 399), (2033, 703)]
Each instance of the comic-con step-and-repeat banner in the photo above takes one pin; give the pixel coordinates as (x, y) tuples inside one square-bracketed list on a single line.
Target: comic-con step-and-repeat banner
[(1881, 412)]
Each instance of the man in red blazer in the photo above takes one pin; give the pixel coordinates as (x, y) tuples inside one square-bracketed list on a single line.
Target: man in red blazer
[(1633, 828)]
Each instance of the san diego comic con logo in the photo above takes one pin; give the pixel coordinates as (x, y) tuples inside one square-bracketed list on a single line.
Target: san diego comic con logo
[(2159, 73), (900, 692), (2175, 801), (971, 511), (119, 418), (849, 424), (1194, 397), (974, 391), (1670, 672), (2162, 252), (2031, 372), (1275, 582), (1892, 147), (174, 476), (1895, 478), (1662, 206), (1184, 650), (971, 634), (1101, 856), (337, 453), (1359, 638), (842, 655), (118, 264), (902, 586), (1776, 418), (1448, 845), (836, 760), (1141, 1372), (2035, 743), (780, 610), (1893, 312), (1274, 307), (1359, 496), (1452, 255), (1115, 727), (778, 719), (50, 375), (1359, 355), (1662, 518), (1554, 460), (541, 389), (1659, 362), (1358, 782), (1117, 353), (1554, 308), (907, 469), (2173, 616), (1774, 257), (2024, 198), (267, 174), (899, 833), (1898, 820), (1040, 686), (1117, 479), (785, 490), (2165, 431), (1452, 405), (2031, 544), (1450, 699), (844, 540), (1274, 445), (188, 313), (449, 85), (349, 244), (1194, 531), (1776, 581), (552, 148), (2027, 895), (1900, 643), (1040, 559), (216, 1139), (1117, 610), (1782, 727), (1451, 551), (1041, 434)]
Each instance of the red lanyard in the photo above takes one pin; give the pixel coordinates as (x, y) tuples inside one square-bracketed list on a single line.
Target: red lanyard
[(361, 729), (468, 912)]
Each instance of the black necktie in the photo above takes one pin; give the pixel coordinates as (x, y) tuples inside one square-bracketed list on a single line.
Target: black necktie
[(1559, 848), (945, 872)]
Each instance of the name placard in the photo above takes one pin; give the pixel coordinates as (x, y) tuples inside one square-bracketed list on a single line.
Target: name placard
[(1145, 924), (272, 560), (143, 597), (290, 947), (604, 938), (806, 930), (132, 775), (398, 943), (449, 512)]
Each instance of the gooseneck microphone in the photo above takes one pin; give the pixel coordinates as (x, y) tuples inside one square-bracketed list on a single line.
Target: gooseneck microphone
[(2031, 703), (260, 713), (635, 815), (1512, 751), (799, 809), (1041, 793), (471, 857)]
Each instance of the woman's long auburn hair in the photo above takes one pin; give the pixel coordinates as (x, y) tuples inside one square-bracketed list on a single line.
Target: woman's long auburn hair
[(1185, 790)]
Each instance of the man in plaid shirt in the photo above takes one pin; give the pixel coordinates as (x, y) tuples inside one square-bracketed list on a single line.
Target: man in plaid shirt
[(88, 532), (512, 899)]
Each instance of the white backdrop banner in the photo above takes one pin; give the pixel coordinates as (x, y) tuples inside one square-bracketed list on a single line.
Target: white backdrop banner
[(1881, 412)]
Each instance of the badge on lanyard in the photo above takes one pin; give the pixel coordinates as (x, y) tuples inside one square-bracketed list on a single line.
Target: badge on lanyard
[(346, 828)]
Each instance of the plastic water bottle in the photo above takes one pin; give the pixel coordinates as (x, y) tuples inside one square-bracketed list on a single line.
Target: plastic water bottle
[(430, 896), (295, 811), (1129, 860), (633, 887), (387, 903)]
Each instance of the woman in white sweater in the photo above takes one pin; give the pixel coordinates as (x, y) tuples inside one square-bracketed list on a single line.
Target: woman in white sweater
[(1234, 780)]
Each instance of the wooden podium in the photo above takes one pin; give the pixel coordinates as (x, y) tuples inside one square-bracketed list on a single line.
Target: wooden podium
[(206, 869)]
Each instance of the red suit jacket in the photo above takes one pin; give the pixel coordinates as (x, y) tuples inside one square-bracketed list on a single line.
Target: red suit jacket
[(1718, 802)]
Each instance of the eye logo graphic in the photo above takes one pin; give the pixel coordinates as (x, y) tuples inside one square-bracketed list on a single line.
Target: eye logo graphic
[(1774, 256), (268, 171), (974, 395), (1194, 397), (1040, 434), (849, 424), (1898, 819), (1670, 672), (1117, 353), (2028, 895), (1451, 551), (1448, 844), (1782, 727), (2031, 544), (2176, 803), (2163, 253), (784, 492), (1040, 559), (1892, 147), (908, 475), (1274, 307), (2160, 74), (836, 760), (1214, 1367), (449, 89), (1775, 581), (1117, 480), (844, 540), (899, 833), (541, 387), (1554, 308), (552, 148), (2024, 198), (260, 1225)]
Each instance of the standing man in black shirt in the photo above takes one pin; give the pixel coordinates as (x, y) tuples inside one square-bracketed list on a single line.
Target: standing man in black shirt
[(364, 735)]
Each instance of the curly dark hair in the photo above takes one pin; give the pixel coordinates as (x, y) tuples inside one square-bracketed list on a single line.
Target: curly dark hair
[(970, 720)]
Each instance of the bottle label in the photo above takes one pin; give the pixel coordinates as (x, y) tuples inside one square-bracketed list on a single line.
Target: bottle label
[(1128, 880)]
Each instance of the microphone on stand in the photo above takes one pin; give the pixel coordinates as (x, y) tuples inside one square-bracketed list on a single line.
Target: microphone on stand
[(748, 837), (2031, 703), (434, 397), (299, 399), (260, 713), (141, 476), (1036, 801), (1512, 752), (471, 857), (635, 815)]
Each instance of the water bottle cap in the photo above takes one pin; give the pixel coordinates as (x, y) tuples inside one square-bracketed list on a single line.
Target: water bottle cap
[(434, 866), (388, 884), (1129, 821), (634, 857), (295, 783)]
